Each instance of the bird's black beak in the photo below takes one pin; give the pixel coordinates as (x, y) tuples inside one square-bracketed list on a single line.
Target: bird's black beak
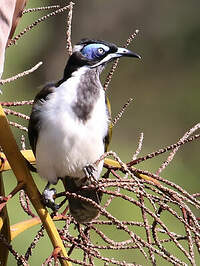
[(125, 52)]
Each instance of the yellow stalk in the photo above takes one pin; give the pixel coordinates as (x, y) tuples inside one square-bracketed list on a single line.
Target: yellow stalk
[(28, 154), (114, 163), (4, 164), (18, 165), (4, 227), (20, 227)]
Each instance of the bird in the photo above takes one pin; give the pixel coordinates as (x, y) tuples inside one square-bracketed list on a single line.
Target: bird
[(69, 127)]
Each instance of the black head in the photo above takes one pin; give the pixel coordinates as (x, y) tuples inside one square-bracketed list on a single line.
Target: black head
[(92, 54)]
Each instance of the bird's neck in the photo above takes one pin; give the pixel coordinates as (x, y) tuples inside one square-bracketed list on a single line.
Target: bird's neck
[(85, 82)]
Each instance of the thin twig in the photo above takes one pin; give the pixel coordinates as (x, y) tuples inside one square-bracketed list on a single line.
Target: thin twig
[(147, 229), (139, 148), (172, 154), (114, 66), (69, 28), (16, 38), (20, 75), (163, 150), (14, 124), (121, 112), (20, 259), (21, 103), (110, 74), (18, 114), (25, 203), (35, 9), (36, 239)]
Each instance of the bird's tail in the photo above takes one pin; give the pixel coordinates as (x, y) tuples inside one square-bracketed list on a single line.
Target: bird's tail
[(82, 211)]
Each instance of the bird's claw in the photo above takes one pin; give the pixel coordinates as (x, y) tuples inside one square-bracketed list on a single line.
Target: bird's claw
[(48, 199), (89, 170)]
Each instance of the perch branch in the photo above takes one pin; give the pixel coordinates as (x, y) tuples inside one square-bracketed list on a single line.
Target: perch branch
[(17, 162)]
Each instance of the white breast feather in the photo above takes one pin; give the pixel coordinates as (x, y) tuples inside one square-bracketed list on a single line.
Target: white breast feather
[(65, 144)]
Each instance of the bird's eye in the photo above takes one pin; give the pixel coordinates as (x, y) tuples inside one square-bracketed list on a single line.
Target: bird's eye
[(94, 51), (101, 51)]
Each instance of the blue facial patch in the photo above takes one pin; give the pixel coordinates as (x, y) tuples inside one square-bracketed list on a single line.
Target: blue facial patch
[(95, 51)]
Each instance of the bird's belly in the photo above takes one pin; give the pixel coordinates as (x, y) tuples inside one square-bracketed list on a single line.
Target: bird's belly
[(65, 149)]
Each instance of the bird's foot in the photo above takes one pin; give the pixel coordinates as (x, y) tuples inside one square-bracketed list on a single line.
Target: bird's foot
[(89, 170), (49, 198)]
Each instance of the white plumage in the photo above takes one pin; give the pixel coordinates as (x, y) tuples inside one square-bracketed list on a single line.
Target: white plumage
[(66, 144)]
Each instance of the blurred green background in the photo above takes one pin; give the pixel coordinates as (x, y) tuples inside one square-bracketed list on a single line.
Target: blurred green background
[(165, 84)]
